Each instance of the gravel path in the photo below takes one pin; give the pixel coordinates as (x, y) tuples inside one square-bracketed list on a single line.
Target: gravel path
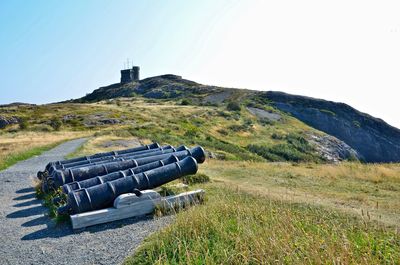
[(28, 236)]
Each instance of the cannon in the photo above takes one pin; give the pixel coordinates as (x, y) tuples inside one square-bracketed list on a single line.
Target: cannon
[(61, 177), (103, 195), (112, 153), (41, 174), (102, 160), (197, 153)]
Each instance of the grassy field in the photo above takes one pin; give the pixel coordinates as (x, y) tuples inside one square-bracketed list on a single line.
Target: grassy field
[(258, 212), (228, 134), (25, 144), (234, 227), (255, 211), (368, 190)]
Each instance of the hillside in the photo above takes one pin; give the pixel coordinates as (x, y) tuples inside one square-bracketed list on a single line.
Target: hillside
[(374, 139), (299, 207), (361, 135)]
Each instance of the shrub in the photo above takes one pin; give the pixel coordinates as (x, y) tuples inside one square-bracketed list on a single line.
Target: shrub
[(222, 132), (197, 178), (41, 128), (23, 124), (233, 106), (296, 149), (56, 123), (186, 102), (266, 121), (277, 136)]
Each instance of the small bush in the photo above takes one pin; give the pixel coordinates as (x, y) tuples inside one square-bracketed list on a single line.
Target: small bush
[(74, 122), (222, 132), (233, 106), (23, 123), (186, 102), (41, 128), (277, 136), (266, 121), (56, 123), (237, 128), (197, 178), (296, 149), (224, 114)]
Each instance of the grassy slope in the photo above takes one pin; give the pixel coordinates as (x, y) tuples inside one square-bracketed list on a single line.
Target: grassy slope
[(25, 144), (235, 227), (371, 190), (227, 134), (284, 213)]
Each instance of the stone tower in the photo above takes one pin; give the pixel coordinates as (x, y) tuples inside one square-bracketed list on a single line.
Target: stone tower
[(129, 75)]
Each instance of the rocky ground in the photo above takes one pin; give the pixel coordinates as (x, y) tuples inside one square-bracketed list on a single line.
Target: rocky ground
[(29, 236)]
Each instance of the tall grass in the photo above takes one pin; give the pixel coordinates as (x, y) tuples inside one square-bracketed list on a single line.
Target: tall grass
[(15, 158), (234, 227), (15, 147)]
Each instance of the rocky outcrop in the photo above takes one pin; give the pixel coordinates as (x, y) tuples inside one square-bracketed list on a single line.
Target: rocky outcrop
[(332, 149), (373, 139), (157, 87), (263, 114), (4, 121)]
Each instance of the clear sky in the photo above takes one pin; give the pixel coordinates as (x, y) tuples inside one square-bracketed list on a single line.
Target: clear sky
[(342, 50)]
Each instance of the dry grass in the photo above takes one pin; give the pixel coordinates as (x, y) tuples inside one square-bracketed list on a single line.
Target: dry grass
[(105, 143), (369, 190), (24, 144), (233, 227)]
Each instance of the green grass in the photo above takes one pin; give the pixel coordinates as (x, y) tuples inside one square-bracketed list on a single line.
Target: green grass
[(51, 206), (350, 187), (15, 158), (228, 133), (297, 213), (234, 227), (296, 149)]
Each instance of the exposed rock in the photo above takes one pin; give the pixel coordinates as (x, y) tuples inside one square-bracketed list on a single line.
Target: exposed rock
[(109, 121), (372, 138), (4, 121), (217, 97), (69, 117), (158, 87), (121, 143), (263, 114), (332, 149), (103, 121), (16, 104)]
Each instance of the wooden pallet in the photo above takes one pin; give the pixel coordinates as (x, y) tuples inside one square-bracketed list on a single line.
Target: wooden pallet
[(131, 205)]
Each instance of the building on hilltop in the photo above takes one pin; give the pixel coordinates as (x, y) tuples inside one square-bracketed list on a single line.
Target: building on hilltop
[(129, 75)]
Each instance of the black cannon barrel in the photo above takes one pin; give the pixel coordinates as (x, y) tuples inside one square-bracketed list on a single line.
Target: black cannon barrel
[(103, 195), (112, 153), (61, 177), (164, 150), (60, 164), (105, 159), (76, 185)]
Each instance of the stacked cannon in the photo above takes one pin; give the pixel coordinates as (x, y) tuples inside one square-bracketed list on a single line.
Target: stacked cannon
[(94, 182)]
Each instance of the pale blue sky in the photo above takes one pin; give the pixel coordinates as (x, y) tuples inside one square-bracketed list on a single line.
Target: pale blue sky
[(344, 50)]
